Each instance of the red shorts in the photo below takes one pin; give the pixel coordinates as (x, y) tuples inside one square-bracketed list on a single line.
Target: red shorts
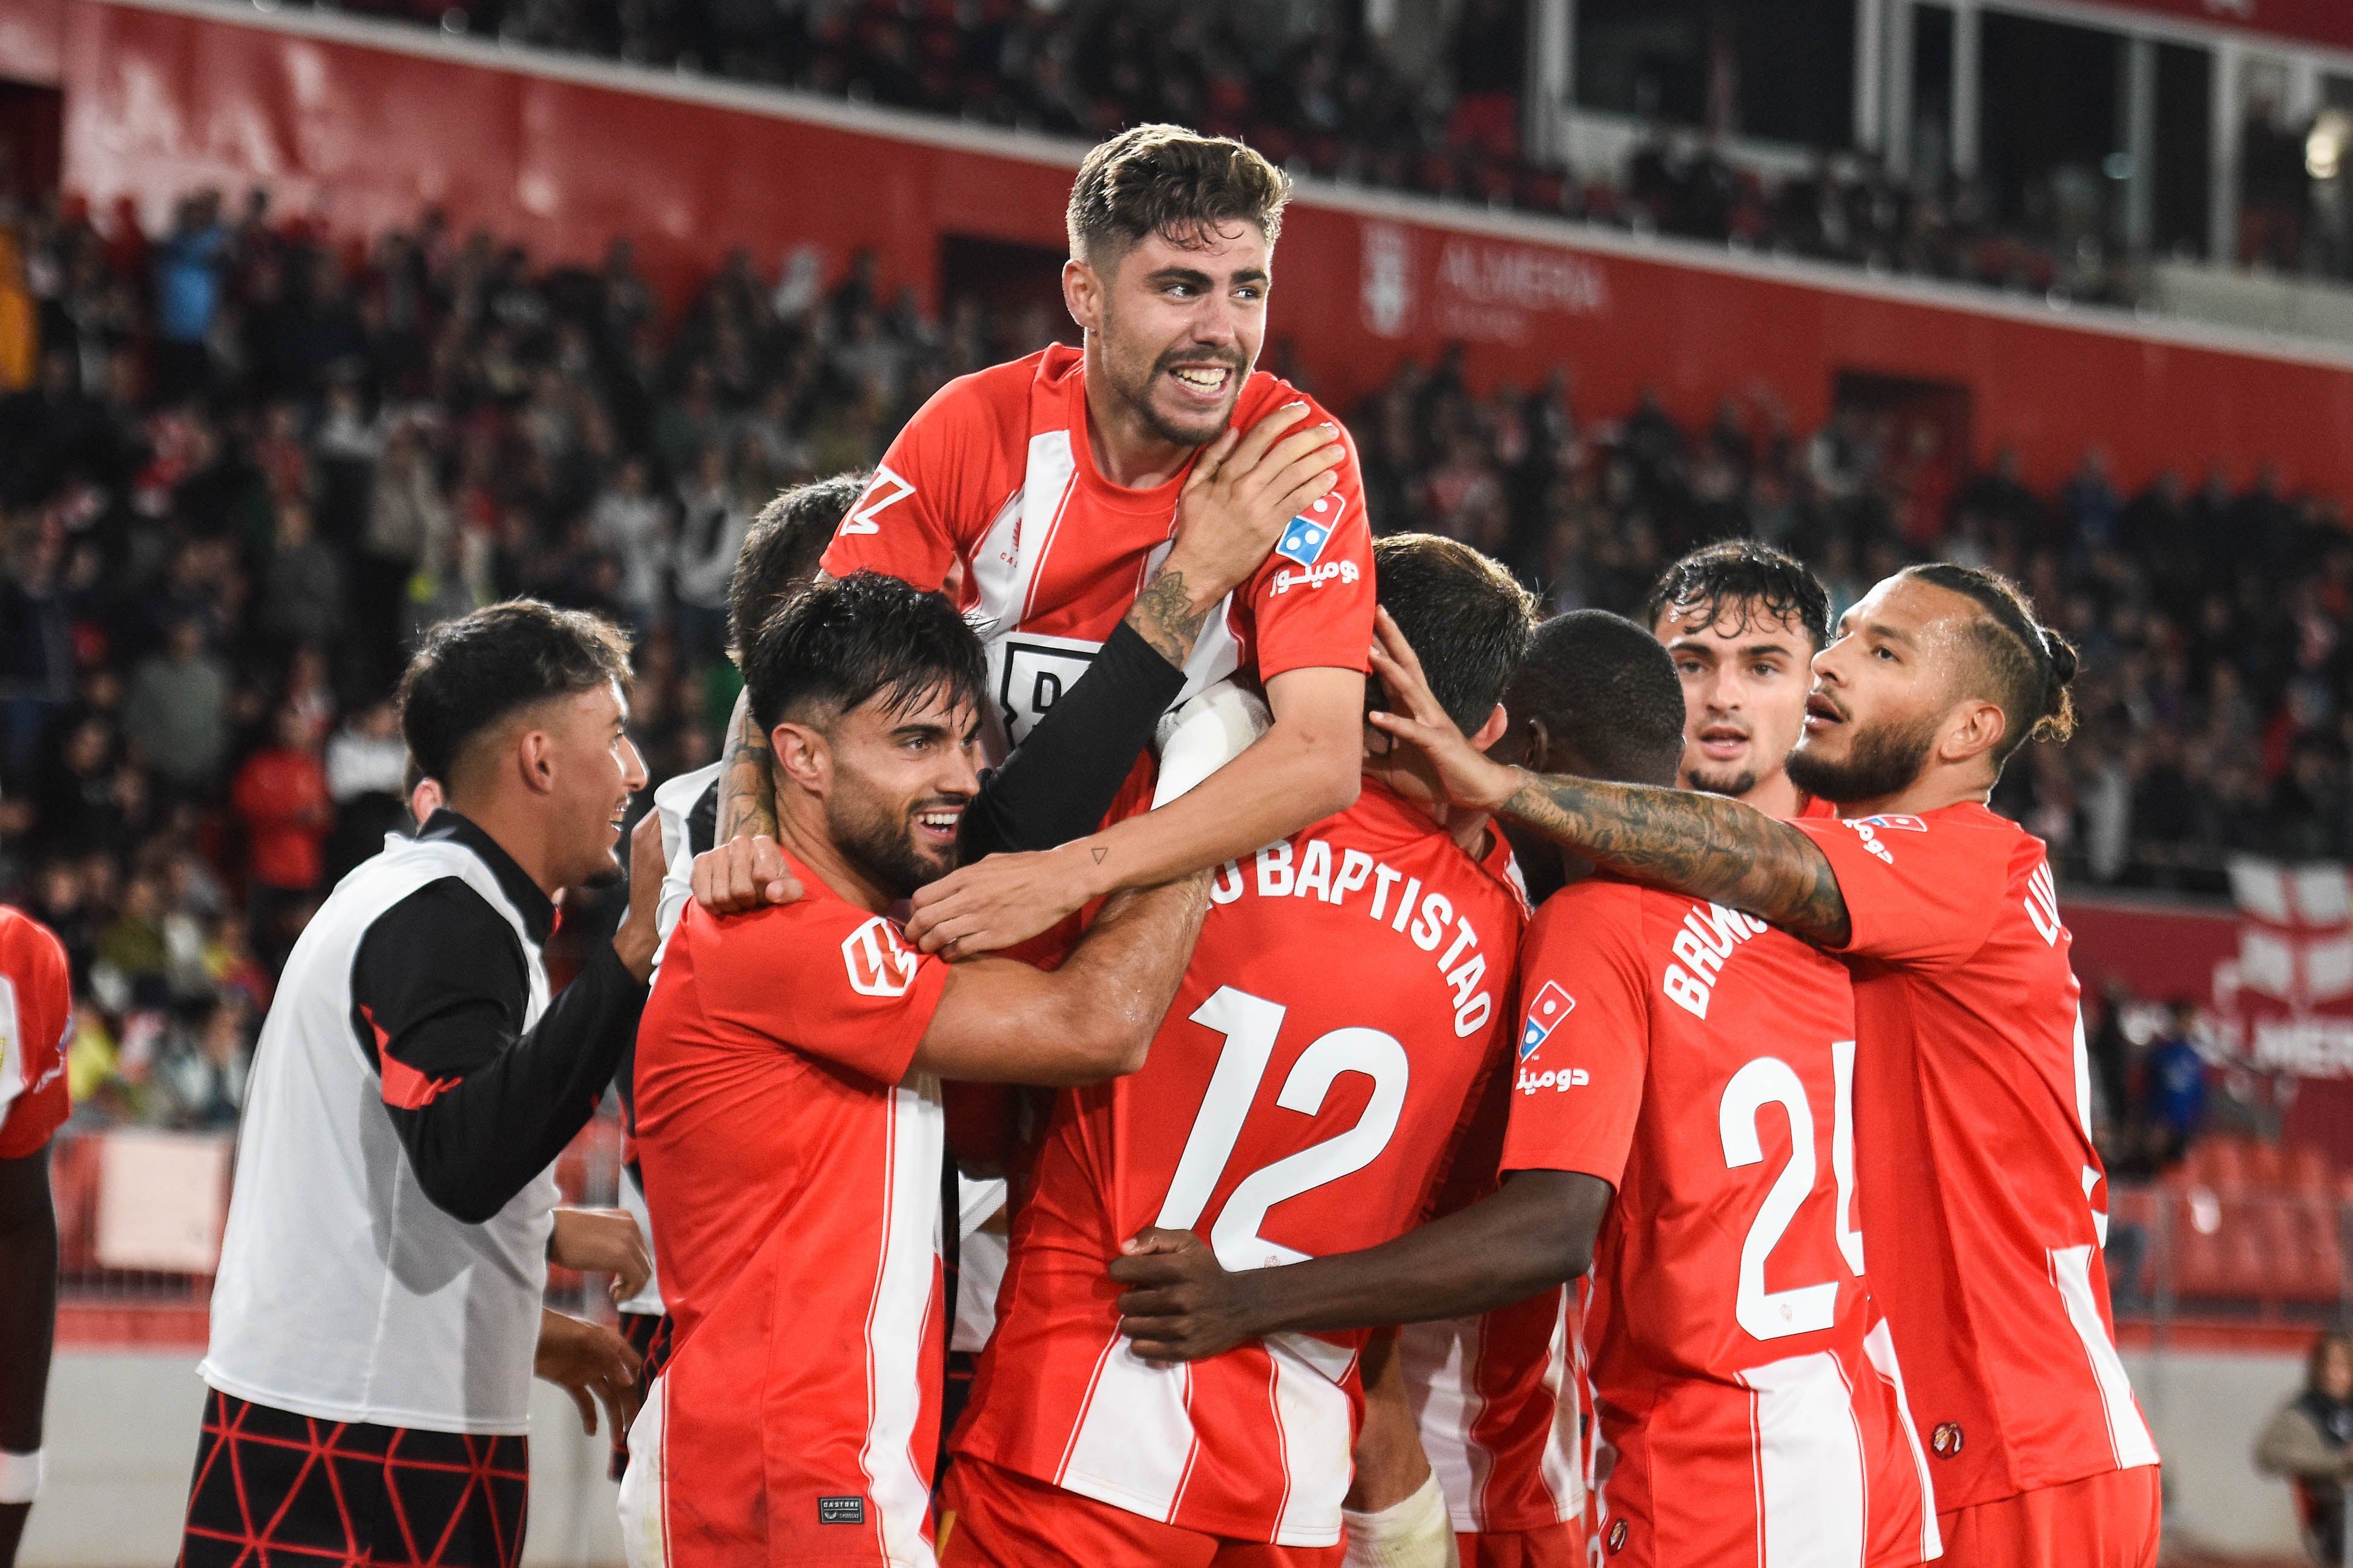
[(2101, 1521), (1560, 1545), (995, 1518)]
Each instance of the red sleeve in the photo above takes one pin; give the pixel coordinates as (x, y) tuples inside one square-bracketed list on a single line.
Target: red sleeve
[(930, 501), (1585, 1033), (1312, 601), (1919, 890), (36, 970), (831, 981)]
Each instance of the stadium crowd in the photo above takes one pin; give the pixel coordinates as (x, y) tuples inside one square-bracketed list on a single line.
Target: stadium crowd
[(244, 466)]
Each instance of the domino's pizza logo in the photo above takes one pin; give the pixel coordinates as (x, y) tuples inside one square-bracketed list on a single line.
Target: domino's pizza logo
[(1902, 824), (1546, 1010), (1303, 540)]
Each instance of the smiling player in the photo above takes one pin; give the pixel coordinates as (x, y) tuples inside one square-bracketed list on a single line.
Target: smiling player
[(1043, 493)]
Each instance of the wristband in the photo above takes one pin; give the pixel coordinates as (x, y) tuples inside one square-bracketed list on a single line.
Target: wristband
[(1415, 1534), (20, 1476)]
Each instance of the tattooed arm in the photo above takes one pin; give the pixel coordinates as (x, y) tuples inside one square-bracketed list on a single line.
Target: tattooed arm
[(1702, 846), (747, 788)]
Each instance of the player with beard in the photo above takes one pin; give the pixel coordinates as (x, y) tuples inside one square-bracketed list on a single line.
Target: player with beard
[(1042, 494), (789, 1123), (1743, 622), (1979, 1187)]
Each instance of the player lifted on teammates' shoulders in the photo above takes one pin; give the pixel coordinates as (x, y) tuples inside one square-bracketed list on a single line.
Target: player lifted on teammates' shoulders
[(1349, 994), (1980, 1187), (1043, 492), (1691, 1062)]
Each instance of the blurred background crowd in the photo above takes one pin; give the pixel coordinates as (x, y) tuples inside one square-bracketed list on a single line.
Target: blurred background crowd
[(243, 468), (1443, 115)]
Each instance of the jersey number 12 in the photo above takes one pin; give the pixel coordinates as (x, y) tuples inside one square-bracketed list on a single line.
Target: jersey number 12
[(1250, 1024)]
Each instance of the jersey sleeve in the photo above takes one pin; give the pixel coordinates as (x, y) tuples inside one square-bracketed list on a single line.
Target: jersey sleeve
[(1918, 891), (929, 504), (37, 1103), (1312, 601), (834, 984), (1584, 1030)]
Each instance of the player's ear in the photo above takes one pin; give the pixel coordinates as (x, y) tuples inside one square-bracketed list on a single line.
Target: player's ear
[(1973, 729), (534, 759), (1492, 730), (801, 755), (1083, 293)]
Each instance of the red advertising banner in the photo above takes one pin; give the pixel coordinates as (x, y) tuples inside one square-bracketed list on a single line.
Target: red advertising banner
[(2328, 22), (362, 124)]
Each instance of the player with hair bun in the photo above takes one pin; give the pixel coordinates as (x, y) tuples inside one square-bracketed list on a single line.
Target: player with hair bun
[(1979, 1186)]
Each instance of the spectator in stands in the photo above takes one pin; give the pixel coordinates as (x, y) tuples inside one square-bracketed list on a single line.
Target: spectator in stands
[(176, 712), (304, 592), (188, 274), (2309, 1444), (365, 763), (280, 795), (710, 533), (2176, 1077)]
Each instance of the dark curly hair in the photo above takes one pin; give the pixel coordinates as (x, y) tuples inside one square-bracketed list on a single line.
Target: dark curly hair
[(1737, 576)]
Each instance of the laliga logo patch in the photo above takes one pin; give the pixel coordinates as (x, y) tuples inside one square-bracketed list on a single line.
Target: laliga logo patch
[(1550, 1006), (1304, 540), (878, 965)]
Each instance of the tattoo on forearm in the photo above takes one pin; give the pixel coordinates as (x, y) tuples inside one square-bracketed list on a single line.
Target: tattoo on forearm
[(747, 794), (1163, 616), (1702, 846)]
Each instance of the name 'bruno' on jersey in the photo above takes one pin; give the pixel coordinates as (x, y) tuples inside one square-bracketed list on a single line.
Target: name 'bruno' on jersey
[(1347, 1000)]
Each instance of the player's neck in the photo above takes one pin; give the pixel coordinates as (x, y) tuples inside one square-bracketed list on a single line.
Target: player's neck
[(1776, 797), (514, 829), (803, 836), (1124, 450)]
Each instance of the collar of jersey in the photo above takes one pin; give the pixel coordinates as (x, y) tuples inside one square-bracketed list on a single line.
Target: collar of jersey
[(538, 910)]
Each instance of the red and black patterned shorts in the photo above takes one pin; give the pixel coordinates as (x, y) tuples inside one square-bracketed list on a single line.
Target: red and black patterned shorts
[(649, 1335), (274, 1490)]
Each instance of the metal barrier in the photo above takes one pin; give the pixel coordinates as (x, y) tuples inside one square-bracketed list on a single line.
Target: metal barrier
[(2186, 1251)]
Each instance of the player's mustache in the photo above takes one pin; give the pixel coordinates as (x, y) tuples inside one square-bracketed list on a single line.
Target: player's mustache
[(1176, 357)]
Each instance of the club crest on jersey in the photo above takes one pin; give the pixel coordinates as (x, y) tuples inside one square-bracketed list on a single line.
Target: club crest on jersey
[(878, 964), (1546, 1010)]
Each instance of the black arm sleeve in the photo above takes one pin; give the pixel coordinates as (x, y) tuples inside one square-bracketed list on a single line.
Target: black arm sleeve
[(1057, 785), (482, 1106)]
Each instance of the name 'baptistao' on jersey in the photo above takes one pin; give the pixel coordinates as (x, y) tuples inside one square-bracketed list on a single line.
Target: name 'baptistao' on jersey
[(1985, 1200), (1748, 1396), (1350, 990), (991, 492)]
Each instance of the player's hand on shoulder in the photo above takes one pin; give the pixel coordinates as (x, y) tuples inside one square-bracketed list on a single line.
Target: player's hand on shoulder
[(1181, 1303), (1244, 488), (593, 1365), (1427, 755), (743, 874), (603, 1241)]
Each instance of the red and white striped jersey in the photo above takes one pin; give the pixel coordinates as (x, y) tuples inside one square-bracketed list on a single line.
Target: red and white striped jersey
[(1497, 1400), (36, 1020), (1986, 1202), (991, 492), (1749, 1404), (1349, 992), (792, 1167)]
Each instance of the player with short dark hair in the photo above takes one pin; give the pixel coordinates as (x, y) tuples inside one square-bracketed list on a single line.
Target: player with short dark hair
[(782, 549), (1041, 492), (1301, 1096), (1979, 1184), (1744, 622), (1748, 1420), (377, 1317), (789, 1120)]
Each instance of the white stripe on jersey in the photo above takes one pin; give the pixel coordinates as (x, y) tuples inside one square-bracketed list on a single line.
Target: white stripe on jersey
[(1810, 1491), (2071, 1270), (1134, 1445), (904, 1288), (1317, 1429), (1563, 1474), (1879, 1346), (1442, 1361)]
